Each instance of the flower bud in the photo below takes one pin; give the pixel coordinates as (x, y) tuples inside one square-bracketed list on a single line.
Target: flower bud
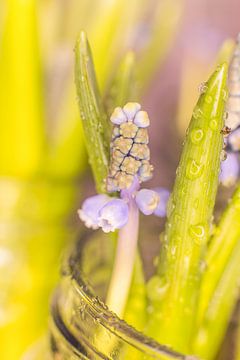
[(113, 215)]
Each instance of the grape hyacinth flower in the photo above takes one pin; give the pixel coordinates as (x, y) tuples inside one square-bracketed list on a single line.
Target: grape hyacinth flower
[(129, 167), (230, 170)]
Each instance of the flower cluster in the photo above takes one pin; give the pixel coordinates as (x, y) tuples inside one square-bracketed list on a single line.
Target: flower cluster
[(129, 166), (109, 213), (129, 147)]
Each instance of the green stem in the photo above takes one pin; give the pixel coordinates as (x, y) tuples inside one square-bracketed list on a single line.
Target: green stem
[(189, 217)]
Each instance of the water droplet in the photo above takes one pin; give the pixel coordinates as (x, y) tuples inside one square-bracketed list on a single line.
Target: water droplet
[(82, 78), (223, 155), (225, 115), (196, 135), (208, 99), (157, 287), (194, 170), (203, 266), (178, 170), (213, 124), (197, 113), (184, 190), (198, 232), (173, 250), (170, 206), (177, 217), (225, 95), (203, 88)]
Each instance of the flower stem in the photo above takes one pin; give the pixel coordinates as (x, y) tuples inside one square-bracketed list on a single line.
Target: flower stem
[(124, 262)]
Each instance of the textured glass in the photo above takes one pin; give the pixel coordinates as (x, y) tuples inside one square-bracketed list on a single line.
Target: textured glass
[(81, 326)]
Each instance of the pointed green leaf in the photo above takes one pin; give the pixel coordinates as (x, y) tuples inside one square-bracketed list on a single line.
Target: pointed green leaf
[(94, 119), (189, 217)]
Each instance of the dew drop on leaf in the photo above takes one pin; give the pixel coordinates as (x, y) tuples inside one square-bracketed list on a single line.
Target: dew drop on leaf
[(196, 135), (209, 99), (194, 170), (213, 124), (157, 287)]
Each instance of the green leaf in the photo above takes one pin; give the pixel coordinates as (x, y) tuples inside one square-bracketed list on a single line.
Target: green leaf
[(219, 288), (213, 327), (123, 86), (219, 252), (176, 286), (94, 119), (67, 153)]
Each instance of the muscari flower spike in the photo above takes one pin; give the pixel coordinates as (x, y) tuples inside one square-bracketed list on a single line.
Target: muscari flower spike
[(129, 167)]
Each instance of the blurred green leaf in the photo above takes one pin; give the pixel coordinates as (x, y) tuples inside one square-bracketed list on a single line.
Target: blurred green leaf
[(166, 19), (212, 329), (123, 86), (67, 154), (22, 136), (94, 118)]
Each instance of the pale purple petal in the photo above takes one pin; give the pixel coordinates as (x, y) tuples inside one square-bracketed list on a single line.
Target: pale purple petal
[(114, 215), (130, 109), (147, 201), (230, 170), (234, 140), (141, 119), (89, 213), (118, 116), (162, 205)]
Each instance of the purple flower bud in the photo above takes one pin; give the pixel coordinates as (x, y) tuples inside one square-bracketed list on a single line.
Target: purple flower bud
[(147, 201), (113, 215), (141, 119), (118, 116), (229, 170), (162, 205), (234, 140), (89, 213), (130, 109)]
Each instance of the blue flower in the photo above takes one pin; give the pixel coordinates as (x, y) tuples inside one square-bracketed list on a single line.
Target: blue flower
[(147, 201), (89, 213), (234, 140), (163, 199), (230, 170), (113, 215)]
